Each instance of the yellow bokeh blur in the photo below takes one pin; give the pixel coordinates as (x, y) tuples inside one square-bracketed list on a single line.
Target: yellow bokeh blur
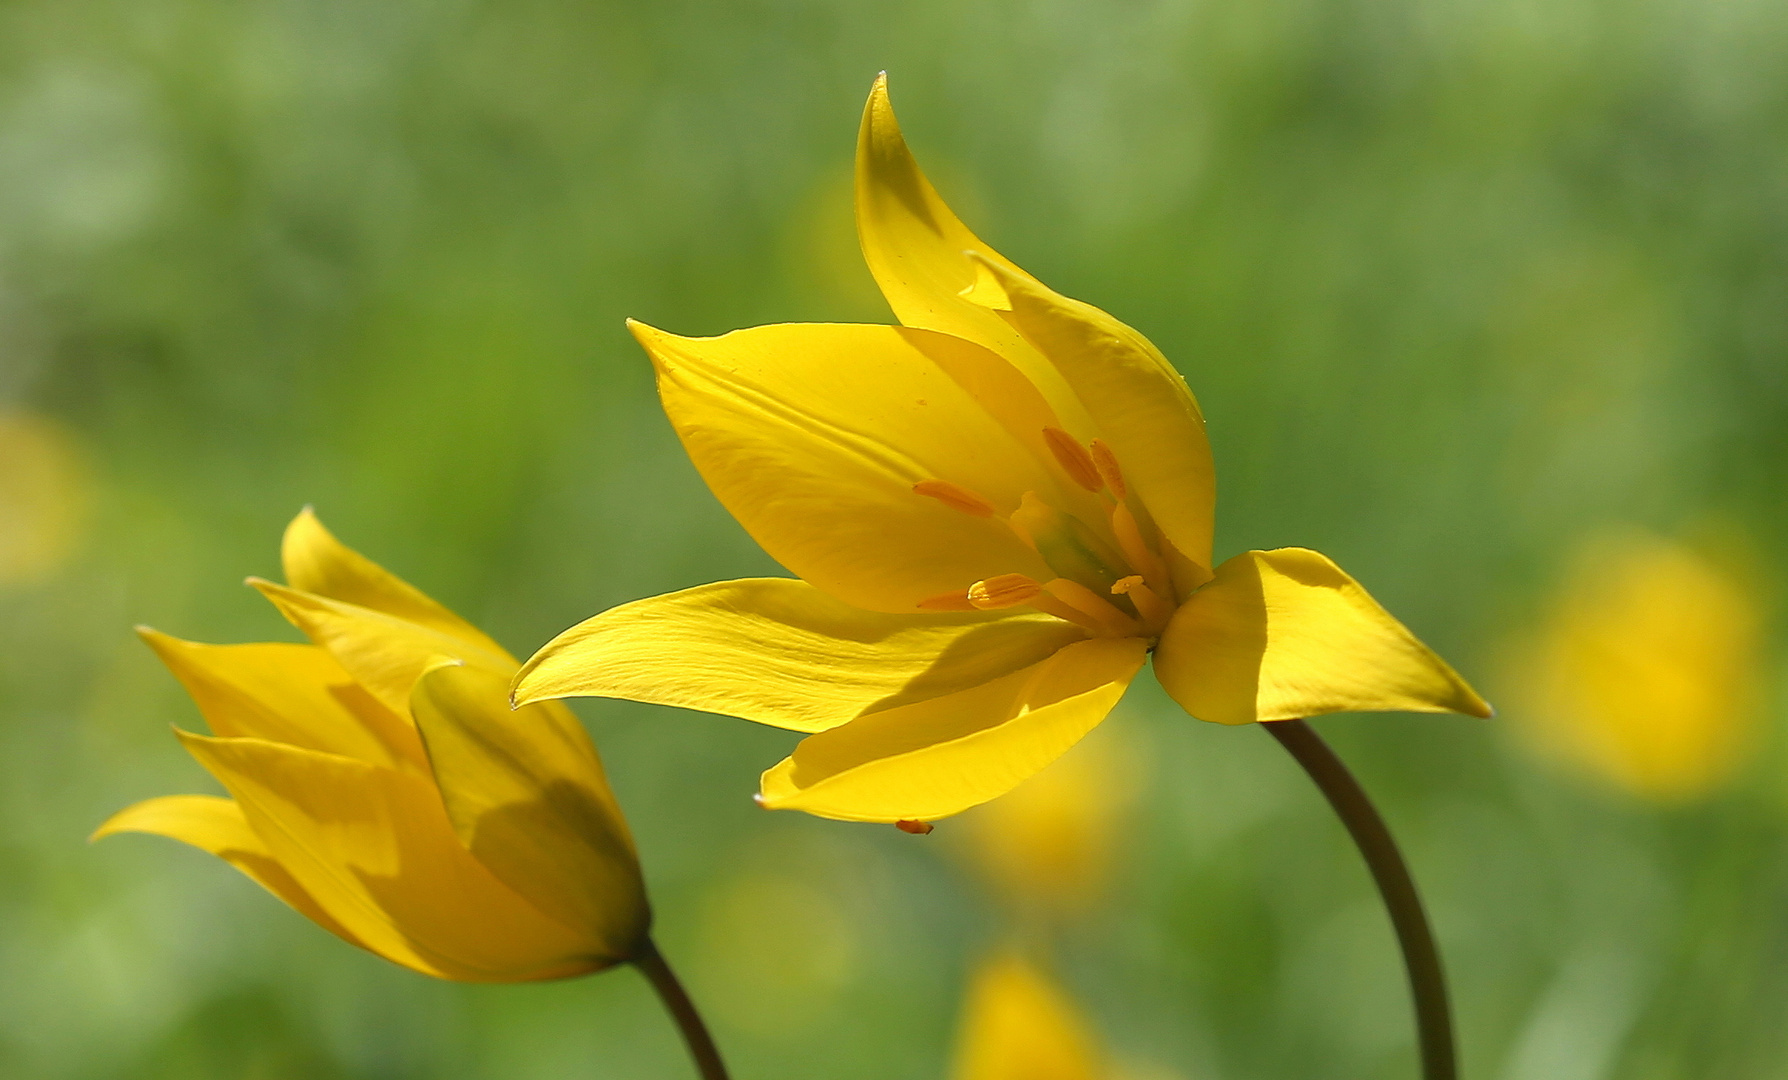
[(43, 497), (1050, 846), (1645, 671), (1019, 1025)]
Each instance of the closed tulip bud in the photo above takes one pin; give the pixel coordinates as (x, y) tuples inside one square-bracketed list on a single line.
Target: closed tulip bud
[(380, 784)]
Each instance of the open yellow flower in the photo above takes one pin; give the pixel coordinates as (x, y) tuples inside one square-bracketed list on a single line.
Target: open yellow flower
[(381, 785), (1018, 1025), (997, 510)]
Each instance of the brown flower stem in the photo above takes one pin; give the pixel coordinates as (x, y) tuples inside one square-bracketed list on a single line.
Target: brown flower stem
[(682, 1010), (1427, 984)]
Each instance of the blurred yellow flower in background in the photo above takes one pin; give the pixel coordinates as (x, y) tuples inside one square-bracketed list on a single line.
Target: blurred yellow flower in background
[(1646, 670), (1050, 845), (1018, 1025), (43, 497), (381, 785), (996, 510)]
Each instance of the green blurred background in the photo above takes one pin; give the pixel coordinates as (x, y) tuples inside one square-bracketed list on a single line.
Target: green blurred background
[(1459, 283)]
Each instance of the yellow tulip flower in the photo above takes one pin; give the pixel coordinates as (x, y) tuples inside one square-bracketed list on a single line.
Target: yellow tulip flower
[(1647, 672), (997, 510), (1018, 1025), (380, 784)]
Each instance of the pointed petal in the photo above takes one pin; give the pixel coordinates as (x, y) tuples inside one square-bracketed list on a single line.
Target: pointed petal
[(527, 796), (383, 653), (939, 757), (217, 826), (316, 562), (914, 245), (1018, 1025), (782, 652), (813, 436), (374, 848), (1140, 405), (293, 694), (1284, 634)]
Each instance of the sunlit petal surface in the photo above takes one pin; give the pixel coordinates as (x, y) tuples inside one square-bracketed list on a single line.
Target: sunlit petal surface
[(1286, 634), (940, 757), (782, 652)]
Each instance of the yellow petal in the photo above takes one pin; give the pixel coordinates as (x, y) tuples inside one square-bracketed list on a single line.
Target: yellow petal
[(1284, 634), (374, 848), (1018, 1025), (316, 562), (782, 652), (915, 247), (217, 826), (939, 757), (384, 653), (1139, 404), (527, 796), (294, 694), (814, 435)]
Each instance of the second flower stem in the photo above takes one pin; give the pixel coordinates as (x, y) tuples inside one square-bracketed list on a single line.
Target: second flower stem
[(682, 1010), (1427, 984)]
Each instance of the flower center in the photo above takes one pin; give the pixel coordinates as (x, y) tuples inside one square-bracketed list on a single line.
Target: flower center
[(1110, 578)]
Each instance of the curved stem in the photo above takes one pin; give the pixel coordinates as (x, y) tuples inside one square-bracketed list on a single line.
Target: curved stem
[(1427, 984), (682, 1010)]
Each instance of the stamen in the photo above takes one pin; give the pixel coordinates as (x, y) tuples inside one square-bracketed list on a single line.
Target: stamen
[(1154, 610), (1094, 606), (956, 497), (950, 601), (916, 828), (1074, 459), (1004, 591), (1049, 605), (1107, 464), (1137, 552)]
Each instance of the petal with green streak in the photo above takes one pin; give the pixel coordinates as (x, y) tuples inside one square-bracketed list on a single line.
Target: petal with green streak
[(782, 652), (316, 562), (293, 694), (1140, 405), (383, 653), (217, 826), (1284, 634), (939, 757), (914, 246), (375, 849), (527, 796), (813, 436)]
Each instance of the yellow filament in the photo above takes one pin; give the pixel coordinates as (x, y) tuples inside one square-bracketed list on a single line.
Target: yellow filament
[(956, 497), (1154, 610), (1049, 605), (1089, 603), (1074, 459), (1137, 552), (1004, 591), (950, 601), (1107, 464)]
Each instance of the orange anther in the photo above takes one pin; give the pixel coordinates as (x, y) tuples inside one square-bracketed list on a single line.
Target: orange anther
[(956, 497), (1004, 591), (917, 828), (1124, 585), (1106, 462), (1074, 459)]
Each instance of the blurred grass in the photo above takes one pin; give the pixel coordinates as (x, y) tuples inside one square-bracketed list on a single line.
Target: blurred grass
[(1458, 284)]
